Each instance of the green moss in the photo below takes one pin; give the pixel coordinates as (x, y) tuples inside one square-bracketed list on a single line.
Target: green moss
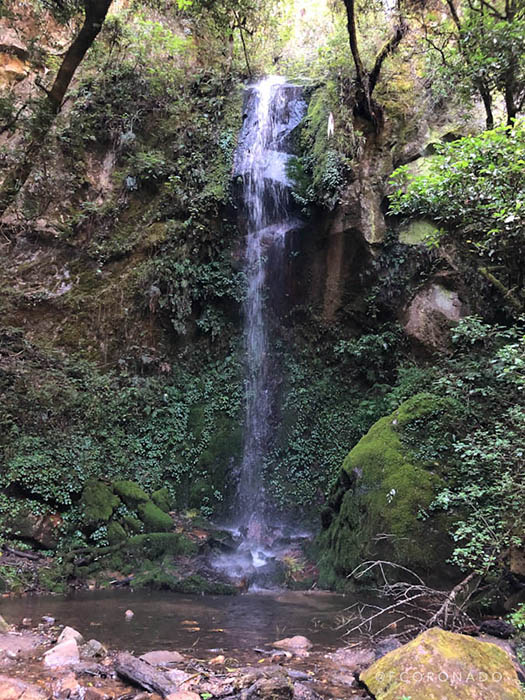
[(157, 544), (375, 508), (154, 519), (53, 579), (198, 584), (130, 492), (116, 533), (98, 502), (132, 524), (161, 498)]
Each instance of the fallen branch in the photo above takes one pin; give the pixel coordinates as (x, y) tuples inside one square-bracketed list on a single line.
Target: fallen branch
[(142, 674)]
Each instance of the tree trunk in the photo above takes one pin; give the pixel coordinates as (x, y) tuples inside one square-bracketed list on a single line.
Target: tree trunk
[(95, 14), (363, 102)]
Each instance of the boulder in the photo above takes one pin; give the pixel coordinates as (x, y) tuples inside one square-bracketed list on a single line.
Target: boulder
[(93, 649), (440, 665), (98, 502), (70, 633), (63, 654), (353, 659), (43, 530), (15, 689), (382, 488), (162, 658), (430, 316)]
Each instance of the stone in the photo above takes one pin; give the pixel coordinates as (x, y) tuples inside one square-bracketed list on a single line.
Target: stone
[(353, 659), (431, 314), (162, 658), (129, 614), (297, 643), (63, 654), (183, 695), (278, 687), (93, 649), (65, 687), (497, 628), (440, 665), (303, 692), (94, 693), (70, 633), (382, 489), (15, 689), (4, 627), (178, 677), (416, 231), (48, 620)]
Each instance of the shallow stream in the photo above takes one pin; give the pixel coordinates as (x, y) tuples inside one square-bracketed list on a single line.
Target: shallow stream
[(164, 620)]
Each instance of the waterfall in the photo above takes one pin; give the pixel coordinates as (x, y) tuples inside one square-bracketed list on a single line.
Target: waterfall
[(273, 108)]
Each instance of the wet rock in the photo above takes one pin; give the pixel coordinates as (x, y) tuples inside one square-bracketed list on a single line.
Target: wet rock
[(15, 689), (48, 620), (162, 658), (497, 628), (385, 646), (275, 688), (63, 654), (70, 633), (303, 692), (93, 649), (444, 665), (293, 644), (178, 677), (129, 614), (353, 659)]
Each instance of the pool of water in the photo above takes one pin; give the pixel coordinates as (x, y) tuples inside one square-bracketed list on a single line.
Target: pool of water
[(164, 620)]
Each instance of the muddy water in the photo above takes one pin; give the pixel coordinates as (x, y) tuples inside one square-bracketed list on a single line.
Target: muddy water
[(174, 621)]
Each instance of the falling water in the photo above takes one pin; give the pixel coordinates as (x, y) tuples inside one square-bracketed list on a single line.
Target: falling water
[(273, 109)]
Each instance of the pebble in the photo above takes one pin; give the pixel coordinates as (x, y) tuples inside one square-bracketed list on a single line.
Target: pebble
[(129, 614)]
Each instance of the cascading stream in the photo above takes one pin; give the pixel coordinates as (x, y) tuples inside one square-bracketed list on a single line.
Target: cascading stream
[(273, 108)]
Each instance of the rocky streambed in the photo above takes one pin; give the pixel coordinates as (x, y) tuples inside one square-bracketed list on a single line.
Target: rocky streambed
[(51, 661)]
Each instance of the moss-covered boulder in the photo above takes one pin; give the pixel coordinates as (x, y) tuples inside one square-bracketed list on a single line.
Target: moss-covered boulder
[(154, 519), (161, 498), (116, 533), (133, 525), (439, 665), (131, 493), (375, 509), (155, 545), (98, 502)]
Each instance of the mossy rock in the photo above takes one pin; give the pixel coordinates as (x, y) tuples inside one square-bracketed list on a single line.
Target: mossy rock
[(131, 493), (155, 545), (154, 519), (375, 507), (98, 502), (53, 579), (440, 665), (161, 498), (116, 533), (133, 525), (197, 584)]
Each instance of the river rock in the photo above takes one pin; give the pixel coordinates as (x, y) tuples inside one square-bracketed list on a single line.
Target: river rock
[(303, 692), (353, 659), (15, 689), (440, 665), (70, 633), (66, 687), (178, 677), (278, 687), (183, 695), (162, 658), (63, 654), (93, 649), (294, 644)]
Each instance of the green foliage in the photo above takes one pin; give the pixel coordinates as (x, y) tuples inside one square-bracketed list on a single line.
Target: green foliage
[(162, 499), (517, 618), (476, 191)]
